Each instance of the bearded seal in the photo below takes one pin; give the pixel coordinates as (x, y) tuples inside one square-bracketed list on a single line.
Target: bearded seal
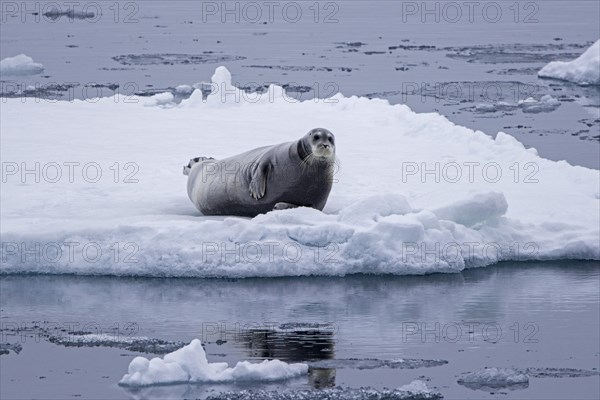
[(281, 176)]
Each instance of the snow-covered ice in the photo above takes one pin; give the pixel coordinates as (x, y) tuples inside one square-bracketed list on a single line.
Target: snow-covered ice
[(373, 363), (517, 378), (6, 348), (530, 105), (189, 365), (132, 343), (184, 89), (553, 372), (584, 70), (416, 387), (545, 104), (161, 99), (495, 107), (20, 65), (416, 390), (494, 378), (413, 194)]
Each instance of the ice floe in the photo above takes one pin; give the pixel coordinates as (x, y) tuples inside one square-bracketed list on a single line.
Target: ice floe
[(584, 70), (189, 365), (494, 378), (20, 65), (100, 191)]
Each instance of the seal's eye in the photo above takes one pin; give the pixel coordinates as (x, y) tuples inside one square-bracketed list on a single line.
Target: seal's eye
[(330, 139), (317, 137)]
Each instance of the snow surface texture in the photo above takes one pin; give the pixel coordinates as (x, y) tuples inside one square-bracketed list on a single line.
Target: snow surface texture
[(189, 365), (490, 199), (20, 65), (416, 390), (585, 70)]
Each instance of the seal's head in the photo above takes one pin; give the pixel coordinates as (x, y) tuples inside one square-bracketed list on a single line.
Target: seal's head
[(319, 145)]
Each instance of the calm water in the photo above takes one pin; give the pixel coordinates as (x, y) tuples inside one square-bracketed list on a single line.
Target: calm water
[(526, 315), (447, 63)]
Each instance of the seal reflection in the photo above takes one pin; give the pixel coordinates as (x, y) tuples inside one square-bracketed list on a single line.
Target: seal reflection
[(295, 343)]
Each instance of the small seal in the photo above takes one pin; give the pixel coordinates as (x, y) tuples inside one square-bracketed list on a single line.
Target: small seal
[(286, 175)]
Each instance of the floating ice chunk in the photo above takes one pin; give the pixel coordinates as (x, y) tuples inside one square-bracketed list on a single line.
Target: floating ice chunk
[(494, 378), (184, 89), (20, 65), (416, 387), (530, 105), (546, 104), (189, 365), (6, 348), (517, 378), (132, 343), (223, 91), (495, 107), (584, 70), (161, 99), (305, 327), (541, 372)]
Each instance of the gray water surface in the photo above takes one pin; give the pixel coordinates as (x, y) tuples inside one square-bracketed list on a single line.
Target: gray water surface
[(376, 331), (442, 62)]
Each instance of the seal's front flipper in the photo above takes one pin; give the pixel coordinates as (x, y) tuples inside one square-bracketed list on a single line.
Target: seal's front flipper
[(258, 181), (284, 206)]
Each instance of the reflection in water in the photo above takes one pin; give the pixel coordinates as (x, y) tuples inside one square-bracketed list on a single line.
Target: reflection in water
[(359, 307), (303, 342), (320, 378), (367, 313), (295, 342)]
